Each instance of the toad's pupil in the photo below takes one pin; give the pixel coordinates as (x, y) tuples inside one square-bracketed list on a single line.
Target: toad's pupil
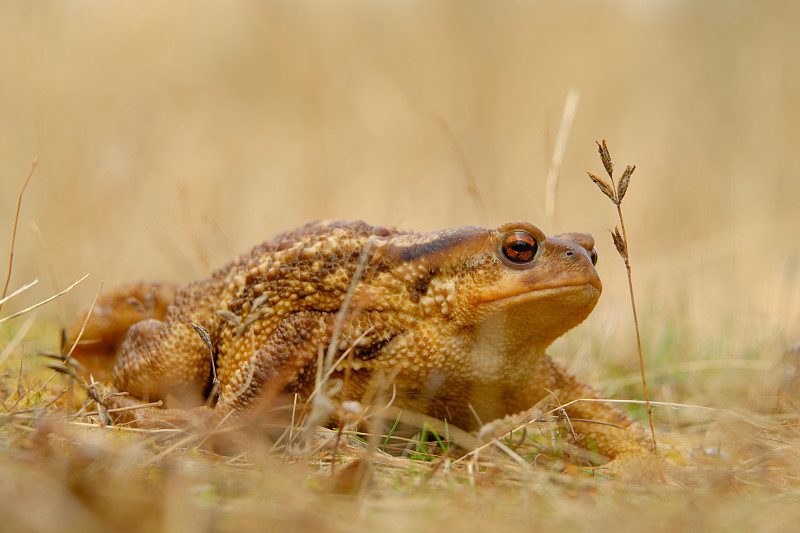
[(519, 247)]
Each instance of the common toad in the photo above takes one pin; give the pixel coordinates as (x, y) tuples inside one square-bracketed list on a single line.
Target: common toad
[(456, 320)]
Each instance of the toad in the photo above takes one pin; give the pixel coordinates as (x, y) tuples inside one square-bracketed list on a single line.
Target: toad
[(455, 322)]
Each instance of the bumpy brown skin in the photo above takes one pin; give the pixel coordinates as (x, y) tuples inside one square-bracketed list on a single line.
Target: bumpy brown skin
[(448, 315)]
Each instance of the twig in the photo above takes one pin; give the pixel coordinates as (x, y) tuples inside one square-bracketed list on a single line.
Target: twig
[(43, 385), (551, 184), (145, 431), (616, 192), (344, 311), (85, 321), (53, 297), (673, 405), (127, 408), (199, 250), (511, 453), (14, 233), (19, 291), (329, 372), (472, 184), (11, 346), (215, 388)]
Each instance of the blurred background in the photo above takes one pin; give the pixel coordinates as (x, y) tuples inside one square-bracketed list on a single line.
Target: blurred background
[(171, 136)]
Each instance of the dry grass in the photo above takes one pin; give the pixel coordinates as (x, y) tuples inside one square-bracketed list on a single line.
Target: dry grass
[(616, 193), (170, 138)]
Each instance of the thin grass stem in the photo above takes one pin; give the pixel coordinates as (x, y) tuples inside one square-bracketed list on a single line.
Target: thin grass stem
[(14, 232)]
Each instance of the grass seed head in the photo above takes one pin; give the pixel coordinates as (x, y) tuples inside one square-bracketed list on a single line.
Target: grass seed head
[(606, 157), (620, 243), (604, 187), (622, 188)]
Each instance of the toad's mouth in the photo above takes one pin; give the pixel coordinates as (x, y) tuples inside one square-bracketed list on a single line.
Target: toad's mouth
[(587, 292)]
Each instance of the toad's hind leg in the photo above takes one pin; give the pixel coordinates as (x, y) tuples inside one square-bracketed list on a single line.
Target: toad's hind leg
[(163, 360), (285, 362), (95, 339)]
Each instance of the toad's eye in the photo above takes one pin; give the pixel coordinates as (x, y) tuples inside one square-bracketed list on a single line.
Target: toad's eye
[(519, 247), (593, 256)]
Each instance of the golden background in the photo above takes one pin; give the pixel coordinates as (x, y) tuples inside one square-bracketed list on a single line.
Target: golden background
[(171, 136)]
